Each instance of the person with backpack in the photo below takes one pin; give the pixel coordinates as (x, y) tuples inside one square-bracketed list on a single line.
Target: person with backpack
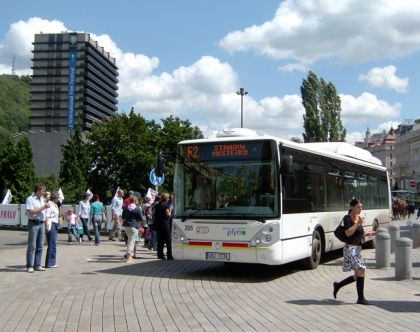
[(352, 252)]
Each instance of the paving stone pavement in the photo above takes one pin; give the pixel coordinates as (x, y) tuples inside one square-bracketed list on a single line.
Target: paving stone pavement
[(93, 289)]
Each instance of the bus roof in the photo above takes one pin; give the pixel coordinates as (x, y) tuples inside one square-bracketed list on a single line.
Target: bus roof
[(338, 150), (346, 149)]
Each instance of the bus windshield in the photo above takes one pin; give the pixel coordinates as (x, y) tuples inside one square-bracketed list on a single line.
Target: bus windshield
[(227, 180)]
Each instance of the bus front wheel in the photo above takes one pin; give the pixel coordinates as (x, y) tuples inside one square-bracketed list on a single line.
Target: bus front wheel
[(316, 251)]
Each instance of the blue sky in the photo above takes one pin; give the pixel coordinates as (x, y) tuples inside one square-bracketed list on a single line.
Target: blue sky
[(187, 58)]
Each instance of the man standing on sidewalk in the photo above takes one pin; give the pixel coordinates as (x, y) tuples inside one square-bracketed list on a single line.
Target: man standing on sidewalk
[(116, 208), (36, 229)]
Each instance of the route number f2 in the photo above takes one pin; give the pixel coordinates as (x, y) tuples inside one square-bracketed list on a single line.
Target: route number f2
[(192, 152)]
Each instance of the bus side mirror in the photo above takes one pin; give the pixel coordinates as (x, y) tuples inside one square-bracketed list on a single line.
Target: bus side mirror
[(287, 164), (160, 165)]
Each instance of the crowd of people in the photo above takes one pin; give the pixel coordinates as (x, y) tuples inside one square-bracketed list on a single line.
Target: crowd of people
[(132, 219)]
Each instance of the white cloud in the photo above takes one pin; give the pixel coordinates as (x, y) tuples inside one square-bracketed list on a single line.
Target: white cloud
[(380, 128), (351, 31), (18, 41), (206, 88), (386, 126), (366, 107), (355, 136), (290, 67), (132, 67), (385, 78), (204, 91), (6, 69)]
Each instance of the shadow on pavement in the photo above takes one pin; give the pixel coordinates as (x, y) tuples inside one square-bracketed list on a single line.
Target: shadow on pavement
[(14, 268), (212, 271), (392, 279), (392, 306)]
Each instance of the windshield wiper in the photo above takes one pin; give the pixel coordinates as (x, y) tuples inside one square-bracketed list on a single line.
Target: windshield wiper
[(191, 214)]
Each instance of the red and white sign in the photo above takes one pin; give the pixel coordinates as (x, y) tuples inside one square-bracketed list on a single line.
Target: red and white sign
[(9, 214)]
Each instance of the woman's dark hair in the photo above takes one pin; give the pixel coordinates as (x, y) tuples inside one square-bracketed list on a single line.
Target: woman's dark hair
[(95, 197), (354, 202)]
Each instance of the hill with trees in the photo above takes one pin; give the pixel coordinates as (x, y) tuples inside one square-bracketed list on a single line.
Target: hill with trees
[(15, 94)]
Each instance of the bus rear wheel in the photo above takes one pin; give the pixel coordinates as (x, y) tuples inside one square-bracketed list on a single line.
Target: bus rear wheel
[(316, 251)]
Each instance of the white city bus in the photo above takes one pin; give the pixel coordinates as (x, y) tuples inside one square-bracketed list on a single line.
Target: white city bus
[(259, 199)]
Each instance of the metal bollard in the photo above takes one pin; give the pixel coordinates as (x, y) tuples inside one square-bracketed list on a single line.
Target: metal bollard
[(416, 235), (381, 230), (394, 232), (377, 231), (382, 253), (403, 260)]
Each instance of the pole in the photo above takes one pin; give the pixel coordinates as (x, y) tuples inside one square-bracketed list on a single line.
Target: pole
[(242, 110), (242, 93)]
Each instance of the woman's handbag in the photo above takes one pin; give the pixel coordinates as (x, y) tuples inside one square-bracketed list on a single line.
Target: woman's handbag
[(340, 232)]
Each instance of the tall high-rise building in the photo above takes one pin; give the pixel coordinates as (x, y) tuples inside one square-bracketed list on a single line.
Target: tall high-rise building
[(74, 79)]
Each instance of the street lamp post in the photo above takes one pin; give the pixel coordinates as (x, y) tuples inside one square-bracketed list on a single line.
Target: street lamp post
[(242, 93)]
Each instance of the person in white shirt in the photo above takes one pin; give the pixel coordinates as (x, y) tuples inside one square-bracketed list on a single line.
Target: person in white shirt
[(116, 208), (51, 228), (84, 215), (35, 209)]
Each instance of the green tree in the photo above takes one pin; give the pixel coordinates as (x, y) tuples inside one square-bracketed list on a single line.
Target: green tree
[(123, 150), (7, 150), (173, 131), (52, 182), (322, 119), (25, 172), (296, 139), (311, 120), (74, 166), (17, 170), (14, 104)]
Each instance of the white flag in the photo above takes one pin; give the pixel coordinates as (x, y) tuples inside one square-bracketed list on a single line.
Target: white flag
[(116, 192), (7, 198), (90, 194), (60, 195)]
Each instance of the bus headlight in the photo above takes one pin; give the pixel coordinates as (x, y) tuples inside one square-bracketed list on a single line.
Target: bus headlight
[(266, 236), (178, 236)]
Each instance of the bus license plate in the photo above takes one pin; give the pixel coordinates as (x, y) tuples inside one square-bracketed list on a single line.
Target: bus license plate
[(218, 256)]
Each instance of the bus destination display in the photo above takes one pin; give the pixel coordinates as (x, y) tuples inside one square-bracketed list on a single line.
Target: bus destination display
[(226, 151)]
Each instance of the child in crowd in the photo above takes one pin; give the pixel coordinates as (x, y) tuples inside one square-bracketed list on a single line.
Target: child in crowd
[(72, 225)]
